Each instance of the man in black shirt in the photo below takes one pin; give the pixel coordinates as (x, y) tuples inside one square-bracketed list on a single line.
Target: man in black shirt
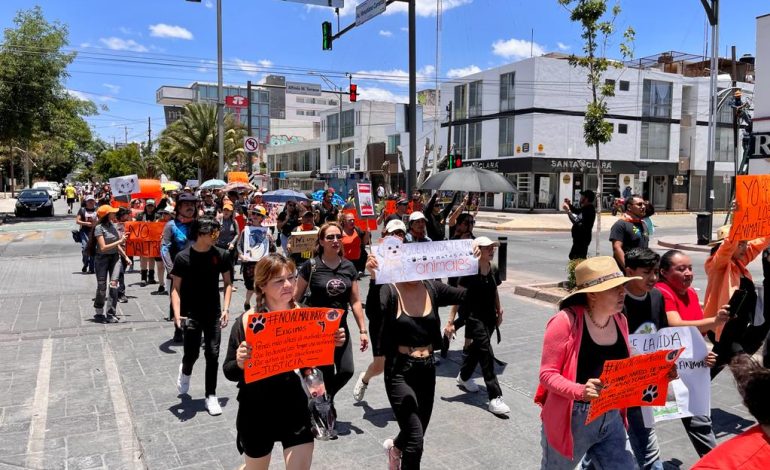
[(629, 231), (195, 301), (582, 218), (327, 212)]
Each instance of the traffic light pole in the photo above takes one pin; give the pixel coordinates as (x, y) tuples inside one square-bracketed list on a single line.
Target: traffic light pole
[(411, 181)]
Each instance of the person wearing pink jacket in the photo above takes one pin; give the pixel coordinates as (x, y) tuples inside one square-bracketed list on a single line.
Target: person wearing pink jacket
[(588, 330)]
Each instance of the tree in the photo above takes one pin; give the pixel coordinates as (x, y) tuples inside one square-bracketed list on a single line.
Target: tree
[(193, 139), (116, 162), (598, 28)]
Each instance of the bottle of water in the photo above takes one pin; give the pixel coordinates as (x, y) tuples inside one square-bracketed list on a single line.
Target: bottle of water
[(315, 384), (323, 416)]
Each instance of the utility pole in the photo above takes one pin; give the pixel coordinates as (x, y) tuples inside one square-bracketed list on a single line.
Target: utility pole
[(449, 131), (712, 12), (220, 97), (149, 135), (411, 180), (125, 133), (248, 123)]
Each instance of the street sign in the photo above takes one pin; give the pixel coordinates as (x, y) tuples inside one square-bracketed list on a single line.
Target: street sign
[(236, 101), (642, 176), (321, 3), (250, 144), (368, 10), (297, 88)]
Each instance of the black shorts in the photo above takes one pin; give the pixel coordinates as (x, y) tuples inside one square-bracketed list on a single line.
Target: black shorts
[(70, 200), (248, 274), (272, 410)]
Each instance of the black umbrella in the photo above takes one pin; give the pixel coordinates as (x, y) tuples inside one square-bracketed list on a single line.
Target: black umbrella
[(469, 179)]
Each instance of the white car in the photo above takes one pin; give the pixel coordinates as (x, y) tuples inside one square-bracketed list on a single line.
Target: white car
[(52, 188)]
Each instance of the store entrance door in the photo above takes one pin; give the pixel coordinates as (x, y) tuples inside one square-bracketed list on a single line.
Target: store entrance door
[(659, 192)]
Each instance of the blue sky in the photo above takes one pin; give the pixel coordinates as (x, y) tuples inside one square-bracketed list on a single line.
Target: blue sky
[(127, 49)]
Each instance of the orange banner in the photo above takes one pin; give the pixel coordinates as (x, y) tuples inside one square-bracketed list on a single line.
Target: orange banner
[(143, 238), (752, 212), (637, 381), (290, 339), (367, 225), (237, 177), (390, 207)]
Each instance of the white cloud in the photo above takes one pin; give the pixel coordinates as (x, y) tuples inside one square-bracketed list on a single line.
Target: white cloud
[(516, 48), (162, 30), (381, 94), (252, 68), (129, 31), (78, 95), (114, 89), (405, 29), (396, 76), (422, 7), (209, 4), (88, 96), (563, 47), (265, 63), (119, 44), (386, 33), (85, 45), (461, 72)]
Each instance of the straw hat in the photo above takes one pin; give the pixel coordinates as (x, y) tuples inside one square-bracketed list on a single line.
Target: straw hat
[(598, 275), (722, 233)]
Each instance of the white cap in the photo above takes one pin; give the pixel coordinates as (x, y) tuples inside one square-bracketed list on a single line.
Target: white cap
[(395, 225), (484, 241), (416, 215)]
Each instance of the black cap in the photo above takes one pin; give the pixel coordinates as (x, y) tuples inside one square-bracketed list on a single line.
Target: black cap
[(589, 194), (186, 197), (306, 213)]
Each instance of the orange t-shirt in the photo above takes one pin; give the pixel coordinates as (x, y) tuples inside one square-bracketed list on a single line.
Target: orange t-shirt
[(351, 245)]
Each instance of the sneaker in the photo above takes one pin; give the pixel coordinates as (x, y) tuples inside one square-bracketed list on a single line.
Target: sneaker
[(212, 405), (123, 299), (85, 268), (161, 290), (111, 318), (497, 406), (394, 459), (360, 389), (99, 315), (469, 385), (183, 384)]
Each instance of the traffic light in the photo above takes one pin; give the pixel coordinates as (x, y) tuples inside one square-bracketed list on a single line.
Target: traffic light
[(353, 92), (326, 30), (458, 160)]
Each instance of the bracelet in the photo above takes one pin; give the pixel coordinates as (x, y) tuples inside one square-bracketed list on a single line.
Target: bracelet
[(364, 332)]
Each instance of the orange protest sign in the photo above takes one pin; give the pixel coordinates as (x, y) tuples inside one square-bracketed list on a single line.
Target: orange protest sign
[(390, 207), (367, 224), (143, 238), (289, 339), (637, 381), (752, 212), (237, 177)]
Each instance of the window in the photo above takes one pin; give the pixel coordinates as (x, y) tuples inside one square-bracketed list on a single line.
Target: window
[(300, 99), (300, 112), (610, 82), (333, 103), (622, 128), (393, 142), (459, 104), (348, 123), (475, 98), (332, 126), (264, 97), (656, 99), (458, 139), (656, 110), (506, 137), (507, 92), (625, 85), (474, 140), (655, 140)]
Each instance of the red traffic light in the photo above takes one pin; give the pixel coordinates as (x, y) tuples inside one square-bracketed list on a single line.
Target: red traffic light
[(353, 93), (458, 161)]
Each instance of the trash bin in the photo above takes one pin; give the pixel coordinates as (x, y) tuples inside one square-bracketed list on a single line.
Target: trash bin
[(703, 227)]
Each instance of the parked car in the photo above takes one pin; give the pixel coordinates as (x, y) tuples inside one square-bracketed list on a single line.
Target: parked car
[(34, 202), (53, 187)]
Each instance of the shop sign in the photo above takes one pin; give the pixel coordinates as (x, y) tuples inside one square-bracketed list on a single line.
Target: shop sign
[(565, 179), (761, 145), (525, 147), (484, 164), (579, 165)]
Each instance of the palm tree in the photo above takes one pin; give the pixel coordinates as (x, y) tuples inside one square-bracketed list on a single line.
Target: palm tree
[(193, 138)]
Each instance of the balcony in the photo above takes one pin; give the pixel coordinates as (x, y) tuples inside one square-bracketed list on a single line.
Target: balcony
[(174, 96)]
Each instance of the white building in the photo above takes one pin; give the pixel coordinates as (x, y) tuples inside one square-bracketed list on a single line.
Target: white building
[(526, 120)]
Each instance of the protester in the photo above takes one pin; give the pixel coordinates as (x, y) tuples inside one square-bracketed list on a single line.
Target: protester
[(327, 211), (586, 332), (351, 200), (165, 216), (395, 228), (196, 306), (146, 264), (107, 258), (416, 204), (409, 332), (87, 219), (286, 222), (69, 193), (208, 205), (751, 449), (380, 192), (629, 231), (459, 220), (354, 241), (255, 242), (123, 215), (417, 228), (306, 225), (400, 214), (436, 216), (483, 314), (582, 217), (228, 237), (331, 281), (279, 402)]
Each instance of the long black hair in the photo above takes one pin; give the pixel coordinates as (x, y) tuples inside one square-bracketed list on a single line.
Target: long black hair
[(665, 260)]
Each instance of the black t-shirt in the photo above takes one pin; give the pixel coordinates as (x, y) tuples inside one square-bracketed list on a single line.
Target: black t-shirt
[(393, 217), (583, 222), (327, 214), (86, 215), (646, 315), (330, 287), (481, 299), (630, 235), (290, 222), (200, 272)]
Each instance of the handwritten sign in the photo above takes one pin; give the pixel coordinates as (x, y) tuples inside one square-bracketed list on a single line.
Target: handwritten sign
[(143, 238), (290, 339), (402, 262), (690, 394), (302, 242), (237, 177), (124, 185), (752, 214), (636, 381), (273, 209), (256, 243), (365, 201)]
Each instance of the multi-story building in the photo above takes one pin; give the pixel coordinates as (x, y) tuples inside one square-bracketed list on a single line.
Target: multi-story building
[(525, 120)]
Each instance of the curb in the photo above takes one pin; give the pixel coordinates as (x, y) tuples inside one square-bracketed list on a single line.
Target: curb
[(534, 291), (684, 246), (497, 227)]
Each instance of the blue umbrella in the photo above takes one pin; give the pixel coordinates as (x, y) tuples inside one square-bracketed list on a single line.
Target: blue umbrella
[(336, 199), (283, 195), (213, 184)]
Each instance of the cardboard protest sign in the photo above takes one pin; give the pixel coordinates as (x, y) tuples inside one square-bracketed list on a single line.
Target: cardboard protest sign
[(273, 209), (124, 185), (303, 241), (366, 225), (637, 381), (237, 177), (751, 218), (143, 238), (289, 339), (365, 201), (402, 262), (690, 394)]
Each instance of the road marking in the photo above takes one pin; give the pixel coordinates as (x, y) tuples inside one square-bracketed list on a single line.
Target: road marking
[(36, 440), (129, 445)]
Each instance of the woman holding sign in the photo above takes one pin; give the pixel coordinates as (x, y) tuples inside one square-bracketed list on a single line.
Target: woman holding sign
[(274, 408), (587, 331), (254, 243), (332, 282)]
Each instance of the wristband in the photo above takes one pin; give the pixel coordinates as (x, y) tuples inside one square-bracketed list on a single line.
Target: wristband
[(364, 332)]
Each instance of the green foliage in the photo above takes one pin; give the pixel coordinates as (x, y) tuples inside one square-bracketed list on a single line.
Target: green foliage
[(571, 282), (116, 162)]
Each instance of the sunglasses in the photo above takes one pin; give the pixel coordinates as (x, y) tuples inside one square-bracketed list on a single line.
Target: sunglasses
[(333, 237)]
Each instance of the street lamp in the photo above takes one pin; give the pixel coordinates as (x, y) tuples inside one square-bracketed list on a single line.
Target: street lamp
[(220, 98)]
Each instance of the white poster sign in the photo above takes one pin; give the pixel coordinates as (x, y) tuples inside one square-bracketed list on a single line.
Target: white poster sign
[(256, 243), (124, 185), (192, 184), (273, 209), (544, 196), (365, 201), (690, 394), (402, 262)]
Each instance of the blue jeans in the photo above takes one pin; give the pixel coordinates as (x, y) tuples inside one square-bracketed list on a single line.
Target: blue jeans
[(87, 260), (644, 441), (603, 441)]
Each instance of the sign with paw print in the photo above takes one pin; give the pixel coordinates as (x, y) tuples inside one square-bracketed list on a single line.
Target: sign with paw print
[(402, 262), (289, 339), (637, 381)]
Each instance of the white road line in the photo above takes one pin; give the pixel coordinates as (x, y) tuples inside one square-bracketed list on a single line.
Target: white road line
[(36, 440), (129, 445)]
